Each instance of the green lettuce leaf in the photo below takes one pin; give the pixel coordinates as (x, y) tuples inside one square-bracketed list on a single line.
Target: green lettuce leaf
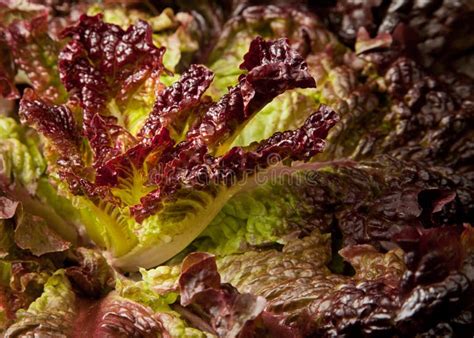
[(23, 178), (358, 202), (158, 290), (299, 286), (287, 111), (51, 313), (145, 196), (264, 215), (305, 33)]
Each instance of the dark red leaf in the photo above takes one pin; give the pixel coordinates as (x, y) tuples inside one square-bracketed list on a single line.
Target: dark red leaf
[(273, 67), (56, 123), (104, 62), (89, 273), (35, 52), (439, 282), (175, 102), (226, 311), (198, 273), (7, 71), (191, 167)]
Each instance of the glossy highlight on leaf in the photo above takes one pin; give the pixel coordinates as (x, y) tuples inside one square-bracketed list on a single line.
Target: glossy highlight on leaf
[(240, 197), (228, 313), (169, 172), (30, 47)]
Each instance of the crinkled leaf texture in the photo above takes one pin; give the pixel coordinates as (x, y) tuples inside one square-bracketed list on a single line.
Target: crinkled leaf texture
[(390, 104), (50, 314), (305, 33), (383, 297), (28, 45), (182, 33), (23, 179), (220, 308), (144, 196), (360, 202), (59, 312), (415, 21), (381, 247)]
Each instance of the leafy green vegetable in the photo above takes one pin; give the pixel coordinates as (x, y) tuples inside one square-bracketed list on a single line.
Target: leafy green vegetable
[(144, 197), (366, 202), (51, 313), (147, 195), (23, 178)]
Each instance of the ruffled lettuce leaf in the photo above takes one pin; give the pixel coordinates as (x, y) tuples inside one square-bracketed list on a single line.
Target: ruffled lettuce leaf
[(89, 273), (377, 299), (22, 281), (435, 29), (59, 311), (287, 111), (20, 157), (23, 179), (437, 107), (68, 295), (220, 308), (287, 292), (389, 104), (305, 33), (31, 48), (158, 290), (360, 203), (437, 287), (427, 118), (50, 314), (180, 32), (146, 158), (166, 182), (127, 61)]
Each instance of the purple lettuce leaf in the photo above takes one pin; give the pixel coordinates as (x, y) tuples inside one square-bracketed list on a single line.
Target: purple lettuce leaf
[(438, 284), (175, 103), (24, 233), (33, 233), (8, 89), (311, 299), (400, 108), (173, 107), (396, 293), (127, 177), (226, 312), (25, 31), (192, 167), (74, 300), (406, 194), (89, 273), (436, 28), (273, 67), (358, 202), (22, 282), (114, 316), (114, 149), (115, 63), (57, 124)]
